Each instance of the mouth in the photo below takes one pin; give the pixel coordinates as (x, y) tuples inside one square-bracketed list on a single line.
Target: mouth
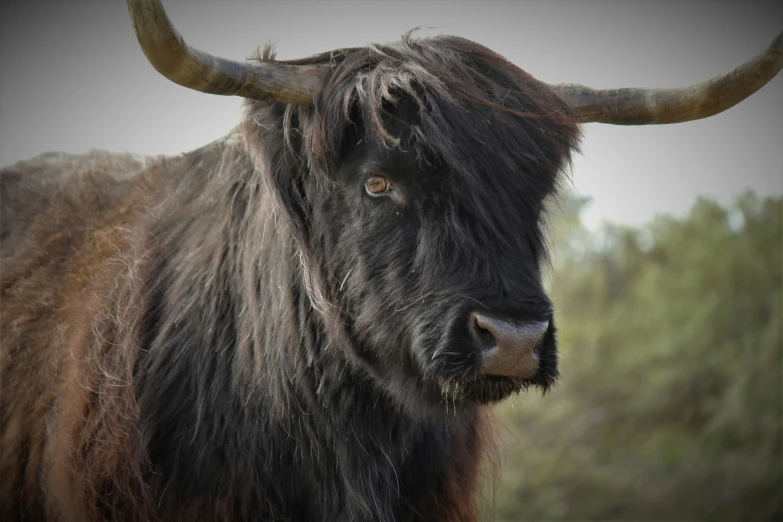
[(482, 389), (485, 389)]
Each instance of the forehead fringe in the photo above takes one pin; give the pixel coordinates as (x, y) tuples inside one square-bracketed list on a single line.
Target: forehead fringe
[(461, 92)]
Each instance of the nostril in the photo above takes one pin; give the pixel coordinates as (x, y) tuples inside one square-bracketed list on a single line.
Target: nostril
[(484, 338)]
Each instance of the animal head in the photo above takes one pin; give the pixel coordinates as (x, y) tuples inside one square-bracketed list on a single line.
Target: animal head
[(414, 176), (425, 165)]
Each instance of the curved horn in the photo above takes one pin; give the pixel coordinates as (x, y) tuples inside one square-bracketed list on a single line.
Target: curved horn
[(166, 50), (632, 106)]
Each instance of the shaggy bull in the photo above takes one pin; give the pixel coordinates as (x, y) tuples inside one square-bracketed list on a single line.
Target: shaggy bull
[(306, 319)]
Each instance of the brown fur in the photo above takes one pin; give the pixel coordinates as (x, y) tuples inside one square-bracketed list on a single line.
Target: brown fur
[(67, 399)]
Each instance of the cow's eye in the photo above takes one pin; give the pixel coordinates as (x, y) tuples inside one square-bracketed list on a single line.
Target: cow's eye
[(377, 185)]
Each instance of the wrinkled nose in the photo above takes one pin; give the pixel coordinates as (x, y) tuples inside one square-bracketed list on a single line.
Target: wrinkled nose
[(508, 347)]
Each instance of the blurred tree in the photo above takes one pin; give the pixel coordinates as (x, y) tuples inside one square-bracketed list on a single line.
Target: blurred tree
[(670, 405)]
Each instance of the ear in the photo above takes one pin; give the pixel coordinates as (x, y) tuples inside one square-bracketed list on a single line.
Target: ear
[(288, 185), (277, 152)]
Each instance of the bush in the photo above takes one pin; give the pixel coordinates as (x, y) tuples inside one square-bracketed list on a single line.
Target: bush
[(670, 405)]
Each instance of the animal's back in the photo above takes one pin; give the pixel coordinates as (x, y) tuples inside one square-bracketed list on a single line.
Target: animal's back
[(62, 216), (56, 194)]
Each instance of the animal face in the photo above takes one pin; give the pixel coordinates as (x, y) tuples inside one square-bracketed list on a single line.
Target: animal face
[(415, 189), (423, 204), (430, 263)]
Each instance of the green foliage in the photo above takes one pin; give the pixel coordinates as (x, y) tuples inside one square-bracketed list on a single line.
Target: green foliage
[(670, 405)]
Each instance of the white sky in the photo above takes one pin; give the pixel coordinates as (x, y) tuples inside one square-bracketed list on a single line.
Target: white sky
[(73, 78)]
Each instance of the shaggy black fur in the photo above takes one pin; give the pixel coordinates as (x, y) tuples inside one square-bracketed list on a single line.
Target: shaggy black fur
[(300, 348), (321, 333)]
